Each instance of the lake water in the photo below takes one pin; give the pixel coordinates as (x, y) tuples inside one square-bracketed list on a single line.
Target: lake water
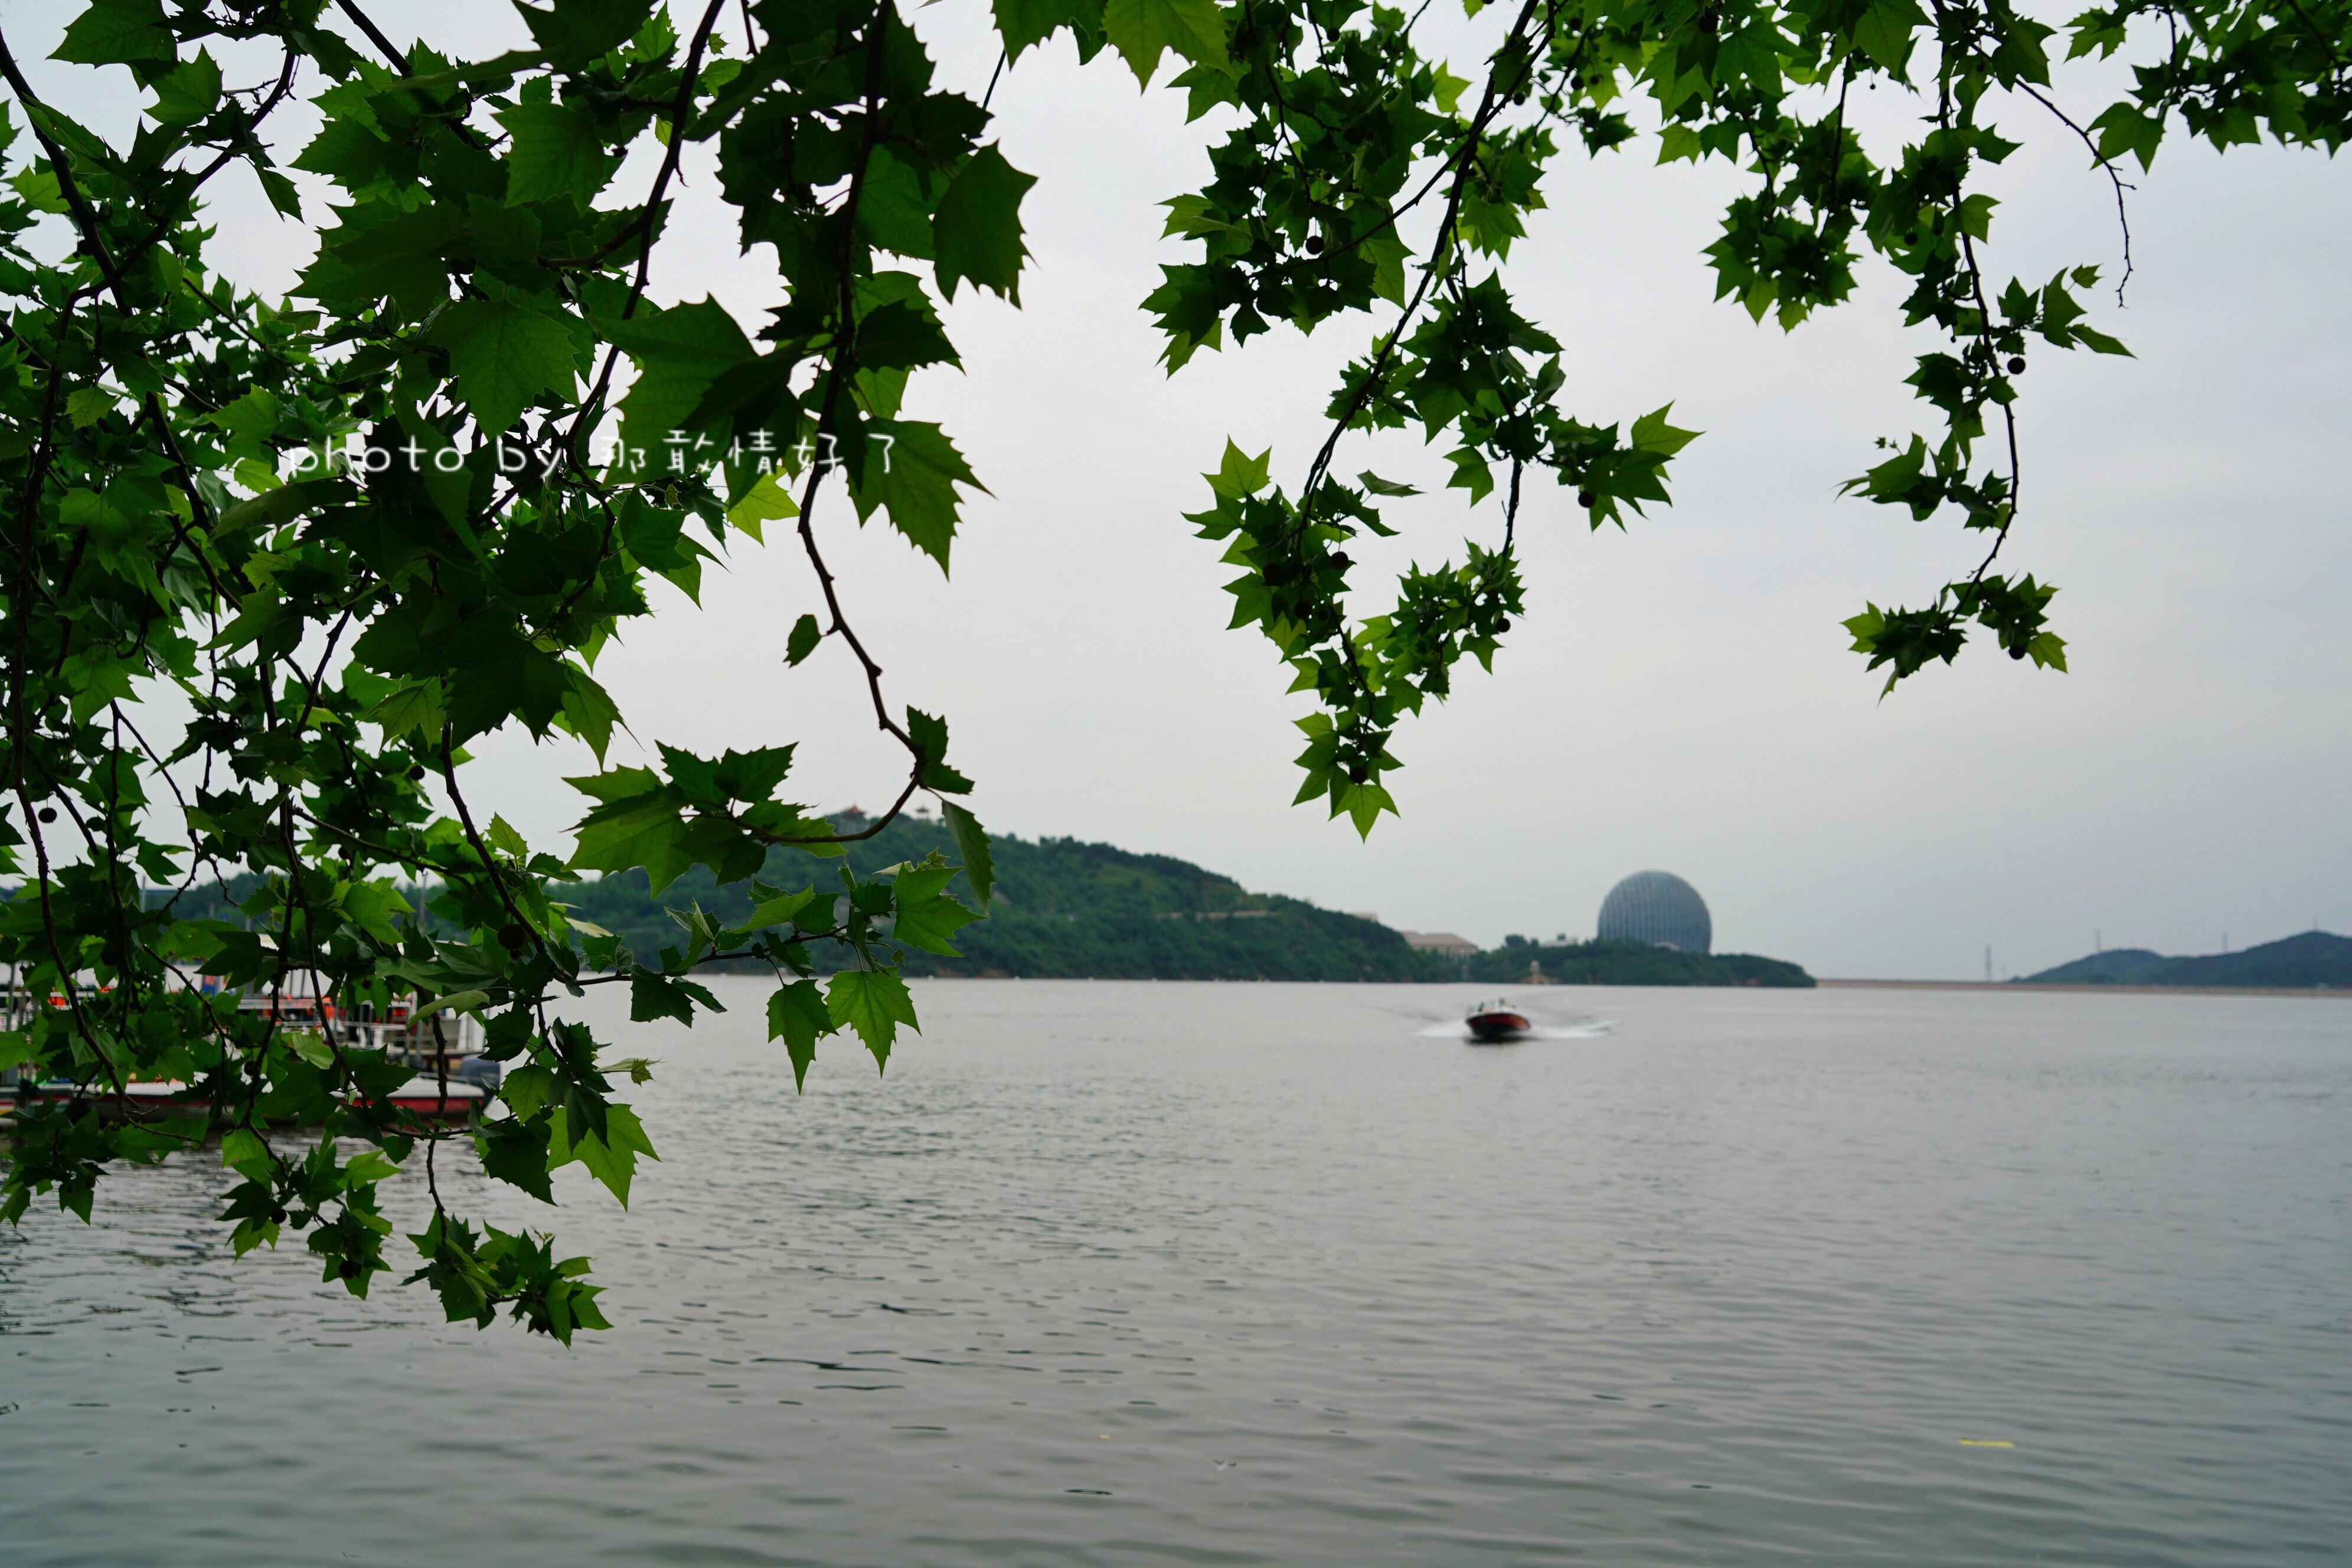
[(1145, 1274)]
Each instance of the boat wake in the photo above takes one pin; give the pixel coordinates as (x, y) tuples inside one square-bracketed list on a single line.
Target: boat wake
[(1582, 1029)]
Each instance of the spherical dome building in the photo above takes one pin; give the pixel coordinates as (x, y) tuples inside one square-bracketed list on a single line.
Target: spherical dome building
[(1658, 908)]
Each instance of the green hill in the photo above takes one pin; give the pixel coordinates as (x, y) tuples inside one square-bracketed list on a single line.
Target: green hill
[(1625, 964), (2310, 960), (2115, 966), (1065, 909)]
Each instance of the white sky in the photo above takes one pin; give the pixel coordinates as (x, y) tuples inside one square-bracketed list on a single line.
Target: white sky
[(1679, 696)]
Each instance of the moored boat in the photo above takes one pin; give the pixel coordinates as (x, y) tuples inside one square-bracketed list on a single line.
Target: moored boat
[(450, 1080), (421, 1096), (1496, 1020)]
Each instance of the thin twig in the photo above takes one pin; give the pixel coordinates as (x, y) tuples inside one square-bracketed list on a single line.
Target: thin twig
[(2108, 165), (1489, 106), (677, 112)]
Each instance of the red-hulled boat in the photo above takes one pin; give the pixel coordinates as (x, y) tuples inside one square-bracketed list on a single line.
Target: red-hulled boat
[(1496, 1020), (420, 1095), (451, 1082)]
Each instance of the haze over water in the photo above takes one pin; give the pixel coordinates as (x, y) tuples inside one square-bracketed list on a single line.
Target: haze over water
[(1126, 1274)]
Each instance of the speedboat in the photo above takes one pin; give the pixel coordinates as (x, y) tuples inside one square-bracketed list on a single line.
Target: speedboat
[(1496, 1020)]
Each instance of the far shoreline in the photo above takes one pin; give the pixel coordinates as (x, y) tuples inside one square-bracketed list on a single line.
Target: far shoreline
[(2036, 988)]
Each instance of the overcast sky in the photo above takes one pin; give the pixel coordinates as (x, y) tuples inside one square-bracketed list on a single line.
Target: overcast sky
[(1677, 696)]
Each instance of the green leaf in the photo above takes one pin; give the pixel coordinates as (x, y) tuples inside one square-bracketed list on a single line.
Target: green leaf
[(803, 641), (417, 707), (40, 190), (753, 776), (571, 33), (1363, 803), (647, 830), (405, 258), (912, 476), (556, 151), (1651, 433), (516, 1152), (366, 1168), (653, 995), (245, 1152), (1447, 88), (777, 910), (976, 233), (117, 32), (282, 505), (2123, 129), (766, 501), (15, 1049), (972, 844), (589, 711), (1241, 475), (1024, 23), (526, 1088), (931, 737), (611, 1159), (873, 1002), (373, 907), (1142, 30), (926, 916), (680, 352), (501, 835), (894, 209), (504, 355), (1884, 31), (902, 335), (468, 1001), (86, 405), (188, 92), (798, 1016)]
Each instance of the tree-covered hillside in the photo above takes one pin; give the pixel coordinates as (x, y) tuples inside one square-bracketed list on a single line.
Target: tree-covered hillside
[(1067, 910), (2113, 966), (1623, 963), (1062, 908), (2309, 960)]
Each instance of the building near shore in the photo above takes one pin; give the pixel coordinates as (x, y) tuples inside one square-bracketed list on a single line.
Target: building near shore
[(1659, 908), (1443, 943)]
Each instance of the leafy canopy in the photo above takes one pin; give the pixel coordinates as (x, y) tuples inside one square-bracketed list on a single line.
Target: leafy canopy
[(351, 532)]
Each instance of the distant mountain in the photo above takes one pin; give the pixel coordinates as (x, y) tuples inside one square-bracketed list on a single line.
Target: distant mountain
[(2310, 960), (1071, 909), (2115, 966), (1064, 909)]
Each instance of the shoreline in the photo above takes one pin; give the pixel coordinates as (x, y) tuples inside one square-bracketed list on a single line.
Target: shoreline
[(2033, 988)]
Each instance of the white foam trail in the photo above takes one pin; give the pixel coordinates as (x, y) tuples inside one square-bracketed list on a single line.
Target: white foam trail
[(1585, 1030)]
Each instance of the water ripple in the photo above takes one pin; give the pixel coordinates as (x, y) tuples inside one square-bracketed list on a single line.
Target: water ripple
[(1145, 1274)]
